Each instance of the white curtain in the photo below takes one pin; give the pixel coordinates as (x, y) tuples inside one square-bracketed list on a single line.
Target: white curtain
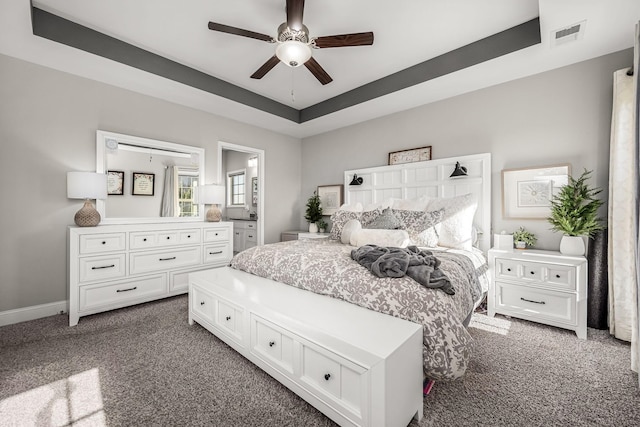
[(635, 335), (169, 206), (623, 213)]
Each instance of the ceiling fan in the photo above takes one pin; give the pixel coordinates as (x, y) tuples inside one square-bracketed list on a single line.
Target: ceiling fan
[(294, 43)]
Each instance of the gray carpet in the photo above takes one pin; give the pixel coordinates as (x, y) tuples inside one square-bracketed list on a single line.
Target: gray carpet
[(145, 365)]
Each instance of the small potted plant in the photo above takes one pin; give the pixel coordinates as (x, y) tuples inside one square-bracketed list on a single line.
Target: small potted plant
[(523, 238), (574, 213), (322, 226), (314, 212)]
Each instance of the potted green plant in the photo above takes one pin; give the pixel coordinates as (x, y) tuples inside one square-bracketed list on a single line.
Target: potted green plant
[(574, 213), (313, 213), (523, 238), (322, 225)]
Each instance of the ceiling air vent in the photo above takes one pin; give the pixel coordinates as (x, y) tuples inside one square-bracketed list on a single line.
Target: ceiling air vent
[(568, 34)]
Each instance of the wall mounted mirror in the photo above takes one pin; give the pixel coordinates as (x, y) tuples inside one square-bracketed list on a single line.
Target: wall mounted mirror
[(148, 180)]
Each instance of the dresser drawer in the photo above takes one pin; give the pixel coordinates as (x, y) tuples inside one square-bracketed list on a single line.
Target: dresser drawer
[(203, 304), (159, 239), (108, 242), (217, 235), (102, 267), (536, 303), (122, 293), (334, 376), (272, 344), (143, 262), (217, 253)]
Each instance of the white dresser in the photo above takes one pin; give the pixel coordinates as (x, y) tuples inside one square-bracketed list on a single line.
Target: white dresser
[(113, 266), (357, 366), (541, 286)]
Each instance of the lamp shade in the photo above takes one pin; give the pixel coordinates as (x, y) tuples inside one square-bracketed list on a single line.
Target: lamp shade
[(293, 53), (211, 194), (86, 185)]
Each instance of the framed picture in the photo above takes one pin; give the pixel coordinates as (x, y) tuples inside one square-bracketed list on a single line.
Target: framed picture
[(254, 191), (330, 198), (143, 184), (527, 193), (408, 156), (115, 183)]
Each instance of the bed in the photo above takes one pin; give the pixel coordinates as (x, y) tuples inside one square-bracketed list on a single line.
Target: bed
[(415, 206)]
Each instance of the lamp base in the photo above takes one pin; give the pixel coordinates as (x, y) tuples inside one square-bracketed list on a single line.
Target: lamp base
[(87, 216), (214, 214)]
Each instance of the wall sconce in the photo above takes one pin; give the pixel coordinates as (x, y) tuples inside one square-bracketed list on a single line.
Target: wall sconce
[(87, 186), (214, 195), (357, 180), (458, 171)]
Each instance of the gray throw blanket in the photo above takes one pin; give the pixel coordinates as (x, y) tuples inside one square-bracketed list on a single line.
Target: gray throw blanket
[(420, 265)]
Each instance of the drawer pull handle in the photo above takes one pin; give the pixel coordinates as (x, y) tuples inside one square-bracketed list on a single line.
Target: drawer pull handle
[(104, 243), (215, 253), (201, 302), (327, 376), (127, 290), (530, 300), (228, 318), (103, 266), (532, 272), (188, 236), (272, 343), (508, 269), (250, 236), (557, 276), (167, 259), (168, 238), (144, 240)]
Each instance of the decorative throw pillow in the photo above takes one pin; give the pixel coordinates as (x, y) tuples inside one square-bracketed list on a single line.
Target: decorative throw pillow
[(417, 204), (423, 227), (380, 237), (456, 228), (386, 220), (350, 227), (367, 217), (338, 220)]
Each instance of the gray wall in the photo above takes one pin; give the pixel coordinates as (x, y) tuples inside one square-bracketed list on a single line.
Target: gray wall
[(48, 123), (555, 117)]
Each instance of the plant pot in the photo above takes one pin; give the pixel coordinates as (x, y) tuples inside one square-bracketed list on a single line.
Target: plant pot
[(572, 245), (313, 227), (520, 245)]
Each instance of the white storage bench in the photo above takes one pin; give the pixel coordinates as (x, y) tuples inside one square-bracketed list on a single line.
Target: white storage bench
[(357, 366)]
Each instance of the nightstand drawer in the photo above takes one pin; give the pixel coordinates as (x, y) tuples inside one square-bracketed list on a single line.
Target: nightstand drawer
[(536, 303), (554, 276)]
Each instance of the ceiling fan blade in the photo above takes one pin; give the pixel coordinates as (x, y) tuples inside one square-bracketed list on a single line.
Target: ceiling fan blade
[(319, 72), (240, 32), (265, 68), (343, 40), (295, 10)]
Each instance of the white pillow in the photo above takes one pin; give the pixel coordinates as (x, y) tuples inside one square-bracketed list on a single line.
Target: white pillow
[(380, 237), (356, 207), (378, 206), (350, 227), (456, 228)]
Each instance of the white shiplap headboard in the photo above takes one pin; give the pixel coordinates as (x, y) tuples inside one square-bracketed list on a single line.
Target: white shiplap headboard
[(431, 179)]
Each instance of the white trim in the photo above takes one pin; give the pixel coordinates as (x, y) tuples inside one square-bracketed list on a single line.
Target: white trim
[(24, 314), (261, 173)]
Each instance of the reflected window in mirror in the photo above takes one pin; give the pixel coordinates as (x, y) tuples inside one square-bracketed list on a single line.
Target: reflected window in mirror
[(187, 189), (236, 188)]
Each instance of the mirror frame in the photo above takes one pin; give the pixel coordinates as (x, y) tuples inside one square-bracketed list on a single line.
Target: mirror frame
[(101, 167)]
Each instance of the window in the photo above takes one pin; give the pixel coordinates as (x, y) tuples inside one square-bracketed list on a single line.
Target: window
[(236, 188), (187, 188)]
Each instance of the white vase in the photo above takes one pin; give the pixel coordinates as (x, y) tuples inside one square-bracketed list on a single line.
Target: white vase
[(313, 227), (572, 245)]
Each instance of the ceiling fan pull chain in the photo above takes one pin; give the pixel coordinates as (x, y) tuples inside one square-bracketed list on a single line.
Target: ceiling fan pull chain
[(293, 96)]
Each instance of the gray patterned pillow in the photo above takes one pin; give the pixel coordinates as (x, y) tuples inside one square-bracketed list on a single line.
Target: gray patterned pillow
[(422, 226), (338, 220), (367, 217), (387, 220)]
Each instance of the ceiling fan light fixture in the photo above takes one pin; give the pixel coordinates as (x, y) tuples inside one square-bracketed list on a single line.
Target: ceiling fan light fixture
[(293, 53)]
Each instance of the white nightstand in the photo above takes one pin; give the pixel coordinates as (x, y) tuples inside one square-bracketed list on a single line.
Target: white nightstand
[(313, 236), (540, 286)]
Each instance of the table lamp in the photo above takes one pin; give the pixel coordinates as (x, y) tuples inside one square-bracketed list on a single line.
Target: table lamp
[(214, 195), (87, 186)]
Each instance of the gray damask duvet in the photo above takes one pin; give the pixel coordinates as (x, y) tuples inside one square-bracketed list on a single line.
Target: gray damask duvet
[(325, 267)]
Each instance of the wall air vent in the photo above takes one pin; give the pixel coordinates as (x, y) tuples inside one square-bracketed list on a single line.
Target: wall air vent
[(568, 34)]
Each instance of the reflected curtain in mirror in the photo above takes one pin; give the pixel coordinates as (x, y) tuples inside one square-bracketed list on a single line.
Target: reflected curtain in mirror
[(169, 205)]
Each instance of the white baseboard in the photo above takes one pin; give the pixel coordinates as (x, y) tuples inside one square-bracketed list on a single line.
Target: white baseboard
[(18, 315)]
